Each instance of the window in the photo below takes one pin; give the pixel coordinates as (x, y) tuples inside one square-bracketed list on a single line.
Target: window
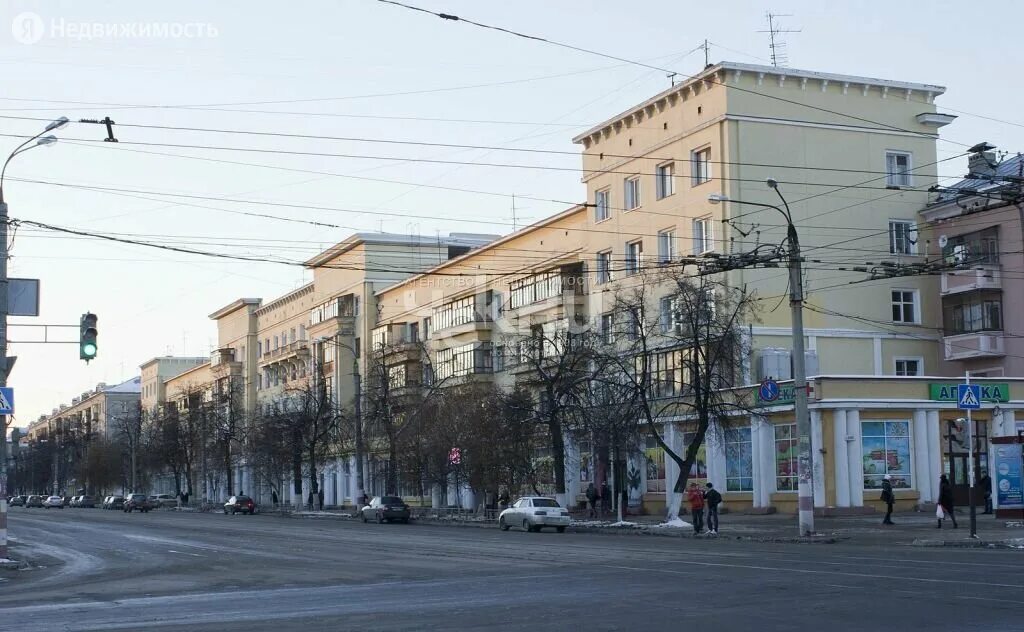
[(291, 335), (665, 179), (655, 459), (276, 345), (786, 450), (632, 193), (601, 210), (700, 166), (668, 371), (463, 360), (302, 332), (536, 288), (909, 367), (904, 306), (902, 237), (739, 461), (455, 313), (604, 266), (396, 376), (972, 312), (259, 348), (414, 332), (703, 239), (355, 305), (606, 328), (634, 256), (426, 327), (980, 247), (885, 446), (667, 246), (897, 169), (670, 316)]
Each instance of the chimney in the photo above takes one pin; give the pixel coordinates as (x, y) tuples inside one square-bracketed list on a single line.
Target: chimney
[(982, 163)]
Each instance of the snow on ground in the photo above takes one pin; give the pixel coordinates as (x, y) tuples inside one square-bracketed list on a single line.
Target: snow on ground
[(675, 523)]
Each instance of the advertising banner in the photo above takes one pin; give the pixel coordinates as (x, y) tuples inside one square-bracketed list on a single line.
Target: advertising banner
[(1009, 494)]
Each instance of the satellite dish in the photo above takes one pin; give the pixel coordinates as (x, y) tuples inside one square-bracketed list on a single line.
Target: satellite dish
[(943, 240)]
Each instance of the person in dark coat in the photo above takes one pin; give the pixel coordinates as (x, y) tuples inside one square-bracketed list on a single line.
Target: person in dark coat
[(606, 498), (888, 498), (320, 498), (946, 500), (503, 500), (712, 499), (273, 496), (592, 499), (985, 487), (309, 501)]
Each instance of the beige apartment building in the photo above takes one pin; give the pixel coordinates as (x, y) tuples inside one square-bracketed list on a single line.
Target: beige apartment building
[(853, 157), (154, 374)]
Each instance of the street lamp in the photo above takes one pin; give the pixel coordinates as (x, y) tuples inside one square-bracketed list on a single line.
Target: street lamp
[(35, 141), (805, 490)]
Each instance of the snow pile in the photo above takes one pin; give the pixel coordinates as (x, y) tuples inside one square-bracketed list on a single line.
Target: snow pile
[(675, 523), (589, 523), (629, 525)]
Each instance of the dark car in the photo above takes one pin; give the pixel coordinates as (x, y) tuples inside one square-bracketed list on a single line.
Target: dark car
[(34, 501), (136, 502), (18, 501), (240, 504), (114, 502), (386, 509)]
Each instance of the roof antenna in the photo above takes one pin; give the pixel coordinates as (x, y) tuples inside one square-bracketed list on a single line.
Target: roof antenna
[(707, 54), (775, 43)]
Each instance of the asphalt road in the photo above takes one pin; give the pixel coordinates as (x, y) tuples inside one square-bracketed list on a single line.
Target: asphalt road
[(106, 570)]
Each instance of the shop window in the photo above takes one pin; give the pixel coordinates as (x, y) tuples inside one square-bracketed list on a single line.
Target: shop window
[(886, 450), (786, 449), (739, 462), (655, 458)]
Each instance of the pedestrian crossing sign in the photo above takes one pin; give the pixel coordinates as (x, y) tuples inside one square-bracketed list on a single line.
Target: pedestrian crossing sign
[(6, 401), (968, 396)]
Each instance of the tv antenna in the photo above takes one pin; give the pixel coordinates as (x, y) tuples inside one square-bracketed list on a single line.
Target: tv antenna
[(775, 42)]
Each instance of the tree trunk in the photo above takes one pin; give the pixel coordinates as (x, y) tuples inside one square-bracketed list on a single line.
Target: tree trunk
[(392, 466), (558, 455), (297, 466), (314, 482), (685, 464)]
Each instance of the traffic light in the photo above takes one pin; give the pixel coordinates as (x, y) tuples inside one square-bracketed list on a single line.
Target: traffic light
[(87, 337)]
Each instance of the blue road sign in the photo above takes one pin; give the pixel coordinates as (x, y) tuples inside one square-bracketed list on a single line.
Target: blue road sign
[(968, 396), (6, 400), (769, 390)]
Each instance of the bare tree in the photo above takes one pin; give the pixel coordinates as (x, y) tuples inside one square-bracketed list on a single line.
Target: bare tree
[(127, 420), (678, 347)]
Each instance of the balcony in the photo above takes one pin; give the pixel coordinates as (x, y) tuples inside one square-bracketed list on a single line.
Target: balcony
[(986, 344), (561, 290), (334, 317), (985, 277), (297, 350)]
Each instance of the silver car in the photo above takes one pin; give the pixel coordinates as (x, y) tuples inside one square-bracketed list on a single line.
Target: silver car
[(533, 513)]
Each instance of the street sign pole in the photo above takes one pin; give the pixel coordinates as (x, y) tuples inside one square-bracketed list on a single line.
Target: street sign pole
[(970, 465)]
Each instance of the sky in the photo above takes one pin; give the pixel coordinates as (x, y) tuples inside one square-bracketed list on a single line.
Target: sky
[(368, 70)]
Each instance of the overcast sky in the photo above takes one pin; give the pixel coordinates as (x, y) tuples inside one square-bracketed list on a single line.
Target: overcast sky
[(359, 68)]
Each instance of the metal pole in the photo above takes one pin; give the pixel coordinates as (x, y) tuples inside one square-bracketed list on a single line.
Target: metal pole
[(970, 467), (805, 475), (360, 490), (3, 370)]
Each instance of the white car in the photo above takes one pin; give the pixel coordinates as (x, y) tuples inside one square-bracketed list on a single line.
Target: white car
[(53, 501), (533, 513)]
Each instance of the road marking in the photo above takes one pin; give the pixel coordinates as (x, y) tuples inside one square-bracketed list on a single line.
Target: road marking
[(805, 571), (184, 553)]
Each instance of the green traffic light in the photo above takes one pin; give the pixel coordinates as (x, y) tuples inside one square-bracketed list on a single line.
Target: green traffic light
[(89, 350)]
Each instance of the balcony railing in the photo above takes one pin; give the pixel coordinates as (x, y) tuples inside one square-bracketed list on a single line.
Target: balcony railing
[(984, 344), (988, 277)]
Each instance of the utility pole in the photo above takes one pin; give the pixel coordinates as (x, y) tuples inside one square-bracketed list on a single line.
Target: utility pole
[(805, 464), (970, 465), (358, 395)]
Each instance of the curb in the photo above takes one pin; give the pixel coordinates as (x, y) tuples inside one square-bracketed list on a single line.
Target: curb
[(969, 544)]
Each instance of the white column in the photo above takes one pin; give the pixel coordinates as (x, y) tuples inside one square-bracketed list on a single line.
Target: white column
[(842, 462), (766, 447), (879, 369), (922, 473), (572, 472), (934, 451), (756, 428), (671, 469), (435, 496), (817, 458), (855, 477), (339, 482), (353, 480)]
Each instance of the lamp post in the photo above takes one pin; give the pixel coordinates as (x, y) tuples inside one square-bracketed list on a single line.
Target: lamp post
[(805, 473), (357, 405), (39, 140)]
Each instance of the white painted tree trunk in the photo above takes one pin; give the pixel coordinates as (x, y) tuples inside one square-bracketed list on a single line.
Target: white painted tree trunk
[(673, 502)]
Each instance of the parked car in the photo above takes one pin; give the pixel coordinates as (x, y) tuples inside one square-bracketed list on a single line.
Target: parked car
[(53, 501), (242, 504), (114, 502), (65, 501), (136, 502), (163, 500), (18, 501), (88, 502), (385, 509), (34, 501), (74, 501), (533, 513)]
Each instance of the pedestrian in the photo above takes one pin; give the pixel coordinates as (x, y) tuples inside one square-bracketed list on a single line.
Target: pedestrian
[(320, 498), (712, 499), (985, 487), (888, 498), (273, 497), (309, 501), (606, 498), (503, 500), (696, 498), (945, 505), (592, 499)]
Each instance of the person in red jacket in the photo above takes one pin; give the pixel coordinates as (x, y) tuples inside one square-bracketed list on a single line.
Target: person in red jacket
[(696, 498)]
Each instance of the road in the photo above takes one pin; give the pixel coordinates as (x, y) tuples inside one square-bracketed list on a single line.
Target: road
[(106, 570)]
